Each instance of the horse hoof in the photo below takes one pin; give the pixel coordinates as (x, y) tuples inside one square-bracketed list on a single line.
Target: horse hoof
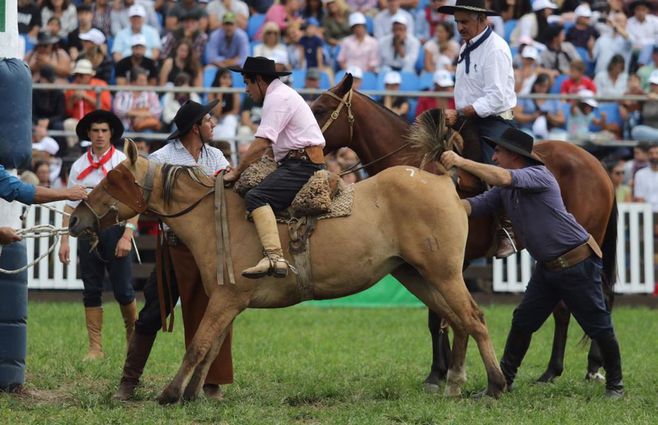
[(431, 388), (453, 391), (167, 397), (433, 382), (594, 377), (548, 377)]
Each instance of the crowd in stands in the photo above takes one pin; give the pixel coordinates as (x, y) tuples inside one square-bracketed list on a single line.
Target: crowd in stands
[(589, 49)]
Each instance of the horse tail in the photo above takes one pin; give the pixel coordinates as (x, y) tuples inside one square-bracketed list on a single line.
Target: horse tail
[(429, 136), (609, 249)]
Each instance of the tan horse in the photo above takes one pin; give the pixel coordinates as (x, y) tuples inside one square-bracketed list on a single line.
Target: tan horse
[(401, 216)]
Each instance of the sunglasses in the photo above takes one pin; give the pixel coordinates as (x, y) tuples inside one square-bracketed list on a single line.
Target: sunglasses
[(619, 173)]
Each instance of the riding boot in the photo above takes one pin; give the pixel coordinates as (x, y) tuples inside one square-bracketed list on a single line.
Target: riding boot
[(515, 348), (129, 313), (139, 349), (614, 386), (94, 319), (273, 262), (506, 245)]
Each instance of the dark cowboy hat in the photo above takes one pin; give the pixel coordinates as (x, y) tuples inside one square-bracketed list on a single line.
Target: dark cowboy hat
[(189, 114), (259, 65), (467, 6), (99, 115), (516, 141)]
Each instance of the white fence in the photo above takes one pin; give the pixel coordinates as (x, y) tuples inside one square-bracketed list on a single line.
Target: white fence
[(635, 256)]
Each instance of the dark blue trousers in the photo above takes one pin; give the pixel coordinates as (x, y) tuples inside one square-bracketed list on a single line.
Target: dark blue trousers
[(492, 127)]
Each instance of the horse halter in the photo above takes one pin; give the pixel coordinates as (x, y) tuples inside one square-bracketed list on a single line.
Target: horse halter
[(344, 101)]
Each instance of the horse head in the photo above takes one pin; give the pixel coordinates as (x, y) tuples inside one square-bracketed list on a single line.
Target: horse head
[(118, 197), (333, 111)]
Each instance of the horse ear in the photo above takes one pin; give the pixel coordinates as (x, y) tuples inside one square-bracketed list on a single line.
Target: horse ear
[(345, 85), (130, 149)]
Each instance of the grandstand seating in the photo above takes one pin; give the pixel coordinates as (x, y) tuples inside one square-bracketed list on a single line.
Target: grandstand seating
[(509, 27), (557, 83), (254, 23)]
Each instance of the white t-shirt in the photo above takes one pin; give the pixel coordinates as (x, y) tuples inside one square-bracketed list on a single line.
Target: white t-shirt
[(646, 186)]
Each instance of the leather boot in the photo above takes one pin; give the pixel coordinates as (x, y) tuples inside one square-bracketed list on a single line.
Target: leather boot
[(515, 348), (506, 245), (129, 313), (273, 263), (614, 386), (94, 319), (139, 349)]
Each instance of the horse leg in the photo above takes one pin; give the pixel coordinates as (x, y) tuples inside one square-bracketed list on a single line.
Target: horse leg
[(456, 375), (594, 363), (555, 367), (195, 385)]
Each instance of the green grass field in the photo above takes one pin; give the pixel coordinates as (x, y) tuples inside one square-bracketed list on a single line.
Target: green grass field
[(309, 365)]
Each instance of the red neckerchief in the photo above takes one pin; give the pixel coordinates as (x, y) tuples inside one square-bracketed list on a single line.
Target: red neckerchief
[(95, 165)]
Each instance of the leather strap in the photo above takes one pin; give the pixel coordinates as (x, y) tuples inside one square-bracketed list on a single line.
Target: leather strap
[(575, 256), (163, 277), (224, 257)]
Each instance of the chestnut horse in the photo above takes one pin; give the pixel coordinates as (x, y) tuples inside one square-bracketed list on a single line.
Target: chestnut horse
[(378, 136), (399, 217)]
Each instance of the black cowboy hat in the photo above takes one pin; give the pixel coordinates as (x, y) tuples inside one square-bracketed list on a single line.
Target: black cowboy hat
[(467, 6), (516, 141), (188, 115), (259, 65), (99, 115)]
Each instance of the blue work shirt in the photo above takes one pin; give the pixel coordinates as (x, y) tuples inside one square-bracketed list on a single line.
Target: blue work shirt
[(219, 48), (11, 188), (533, 203)]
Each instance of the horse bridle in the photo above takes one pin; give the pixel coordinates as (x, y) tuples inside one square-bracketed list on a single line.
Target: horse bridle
[(345, 101)]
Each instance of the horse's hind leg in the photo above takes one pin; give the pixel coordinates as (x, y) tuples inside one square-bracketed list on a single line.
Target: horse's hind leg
[(441, 355), (594, 363), (456, 375), (195, 385), (555, 366)]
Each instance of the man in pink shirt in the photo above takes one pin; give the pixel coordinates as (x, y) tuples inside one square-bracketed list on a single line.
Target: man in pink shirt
[(288, 127), (359, 49)]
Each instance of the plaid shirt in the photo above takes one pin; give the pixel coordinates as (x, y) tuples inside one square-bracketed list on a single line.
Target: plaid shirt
[(211, 160)]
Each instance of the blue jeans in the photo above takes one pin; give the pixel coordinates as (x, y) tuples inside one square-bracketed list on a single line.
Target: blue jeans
[(644, 133), (492, 127)]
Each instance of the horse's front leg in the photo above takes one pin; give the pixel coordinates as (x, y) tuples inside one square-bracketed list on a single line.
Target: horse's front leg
[(195, 385), (555, 366)]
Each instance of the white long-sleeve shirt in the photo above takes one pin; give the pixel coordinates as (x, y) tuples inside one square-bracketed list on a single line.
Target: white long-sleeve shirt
[(403, 63), (489, 86)]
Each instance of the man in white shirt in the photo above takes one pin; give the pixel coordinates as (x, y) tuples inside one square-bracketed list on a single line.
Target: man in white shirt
[(217, 8), (122, 46), (382, 24), (645, 187), (643, 26), (399, 50), (111, 255)]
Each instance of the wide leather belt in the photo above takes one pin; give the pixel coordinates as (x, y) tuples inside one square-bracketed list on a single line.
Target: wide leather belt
[(575, 256), (312, 154)]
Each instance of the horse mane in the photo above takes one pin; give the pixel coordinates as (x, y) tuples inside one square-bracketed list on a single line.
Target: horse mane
[(429, 136), (171, 172)]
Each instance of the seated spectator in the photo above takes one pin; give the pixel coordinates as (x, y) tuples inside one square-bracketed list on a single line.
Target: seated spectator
[(443, 83), (646, 181), (296, 56), (189, 28), (250, 115), (172, 101), (614, 41), (357, 76), (615, 169), (102, 13), (335, 23), (228, 45), (646, 70), (648, 130), (121, 18), (183, 60), (583, 34), (399, 50), (581, 117), (29, 19), (311, 81), (271, 47), (614, 81), (427, 20), (383, 22), (525, 75), (184, 8), (441, 51), (136, 59), (397, 104), (313, 9), (138, 110), (122, 41), (44, 149), (73, 43), (47, 53), (227, 110), (217, 8), (643, 26), (65, 11), (542, 118), (359, 49), (577, 80), (94, 49), (533, 24), (639, 161), (285, 13), (559, 53), (49, 106), (312, 44), (42, 170), (366, 7)]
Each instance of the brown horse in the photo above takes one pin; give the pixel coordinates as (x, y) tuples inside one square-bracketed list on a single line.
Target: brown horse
[(399, 217), (378, 136)]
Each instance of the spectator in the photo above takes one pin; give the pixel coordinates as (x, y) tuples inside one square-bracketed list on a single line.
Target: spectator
[(64, 11), (559, 53), (52, 29), (615, 41), (441, 51), (49, 106), (42, 170), (643, 26), (183, 60), (533, 24), (577, 80), (646, 181), (29, 19), (615, 169), (73, 43), (188, 29), (359, 49), (227, 110), (399, 50), (102, 16), (428, 19), (581, 117), (47, 53), (122, 41), (614, 81), (271, 47), (443, 83), (583, 34), (648, 130), (183, 8), (293, 46), (138, 110), (313, 9), (542, 118), (217, 8), (312, 44), (136, 59), (311, 81), (366, 7), (227, 45), (44, 149), (525, 75), (172, 101), (630, 110), (357, 76), (94, 49), (646, 70), (120, 17), (260, 6), (383, 22), (639, 161), (336, 24), (397, 104), (285, 13)]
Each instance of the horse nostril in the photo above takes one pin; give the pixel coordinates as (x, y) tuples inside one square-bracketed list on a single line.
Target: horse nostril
[(73, 222)]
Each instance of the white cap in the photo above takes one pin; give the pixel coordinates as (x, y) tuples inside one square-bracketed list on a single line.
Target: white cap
[(83, 66), (137, 40), (443, 78), (357, 18), (95, 36), (399, 18), (530, 52), (47, 144), (587, 98), (653, 77), (583, 11), (543, 4), (355, 71), (136, 10), (392, 77)]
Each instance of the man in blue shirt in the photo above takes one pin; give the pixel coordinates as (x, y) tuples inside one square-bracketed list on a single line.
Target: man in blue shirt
[(568, 259), (12, 189), (228, 45)]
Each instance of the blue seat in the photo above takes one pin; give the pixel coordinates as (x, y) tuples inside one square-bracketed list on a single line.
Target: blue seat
[(298, 77), (613, 115), (420, 62), (555, 88), (411, 114), (589, 63), (510, 25), (254, 24), (410, 81), (369, 81), (426, 80), (370, 25), (209, 75)]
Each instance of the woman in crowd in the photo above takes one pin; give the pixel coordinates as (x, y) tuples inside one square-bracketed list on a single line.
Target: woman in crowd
[(313, 9), (335, 22), (183, 60), (138, 110), (441, 51), (227, 110), (271, 47), (65, 11), (171, 102), (543, 118), (615, 168), (283, 14), (47, 53), (614, 80)]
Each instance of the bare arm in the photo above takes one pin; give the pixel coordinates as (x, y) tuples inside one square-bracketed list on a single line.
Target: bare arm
[(45, 194), (490, 174), (256, 150)]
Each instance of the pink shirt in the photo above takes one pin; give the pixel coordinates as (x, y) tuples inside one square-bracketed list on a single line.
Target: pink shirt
[(287, 121), (363, 54)]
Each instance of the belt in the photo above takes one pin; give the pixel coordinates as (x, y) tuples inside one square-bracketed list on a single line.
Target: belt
[(507, 115), (312, 154), (575, 256)]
